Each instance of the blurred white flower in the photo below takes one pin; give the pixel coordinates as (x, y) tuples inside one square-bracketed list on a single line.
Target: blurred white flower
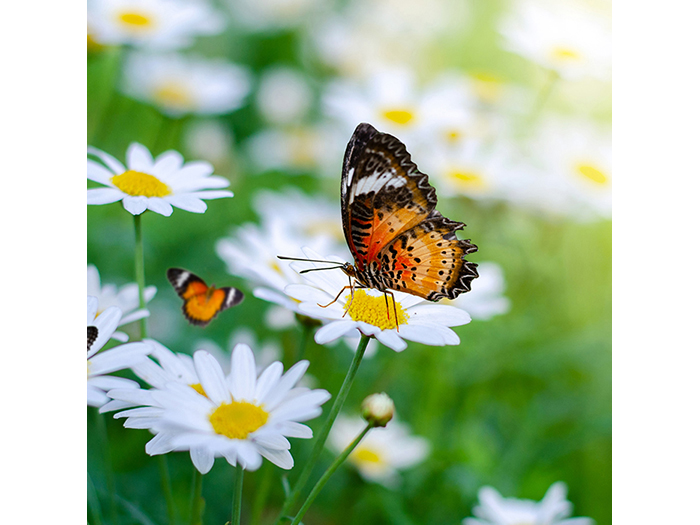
[(270, 15), (153, 184), (393, 102), (243, 416), (284, 96), (567, 170), (157, 24), (554, 509), (559, 36), (126, 298), (298, 149), (370, 311), (370, 35), (486, 298), (383, 452), (100, 329), (178, 85), (210, 140)]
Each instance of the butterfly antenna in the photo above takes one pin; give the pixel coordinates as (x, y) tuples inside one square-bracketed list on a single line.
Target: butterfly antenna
[(284, 258), (317, 269)]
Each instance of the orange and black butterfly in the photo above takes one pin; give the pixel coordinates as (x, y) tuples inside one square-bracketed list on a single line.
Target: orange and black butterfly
[(398, 239), (201, 302)]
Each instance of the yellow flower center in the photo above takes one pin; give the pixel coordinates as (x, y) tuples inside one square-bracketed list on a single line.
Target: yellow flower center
[(373, 309), (136, 183), (467, 179), (399, 116), (197, 387), (487, 86), (592, 173), (564, 54), (237, 419), (174, 95), (135, 21), (365, 455), (453, 135)]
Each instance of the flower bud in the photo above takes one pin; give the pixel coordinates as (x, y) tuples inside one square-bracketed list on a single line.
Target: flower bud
[(378, 409)]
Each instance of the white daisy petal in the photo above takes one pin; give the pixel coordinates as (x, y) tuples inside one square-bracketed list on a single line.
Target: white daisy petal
[(285, 384), (392, 340), (281, 458), (267, 380), (112, 163), (135, 205), (98, 173), (333, 331), (202, 459), (242, 378), (138, 158), (211, 377), (188, 202), (103, 195), (160, 206)]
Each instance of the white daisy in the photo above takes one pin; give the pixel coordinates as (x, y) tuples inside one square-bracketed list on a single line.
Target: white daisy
[(559, 36), (241, 417), (156, 185), (486, 298), (383, 452), (368, 311), (178, 85), (99, 330), (554, 509), (158, 24), (393, 102), (126, 298)]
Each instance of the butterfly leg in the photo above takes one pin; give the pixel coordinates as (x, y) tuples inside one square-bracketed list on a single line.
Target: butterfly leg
[(393, 299), (337, 296)]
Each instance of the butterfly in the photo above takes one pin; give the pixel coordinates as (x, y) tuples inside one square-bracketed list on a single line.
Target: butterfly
[(398, 240), (201, 302)]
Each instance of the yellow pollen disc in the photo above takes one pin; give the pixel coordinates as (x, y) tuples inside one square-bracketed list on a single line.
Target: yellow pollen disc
[(592, 173), (399, 116), (197, 387), (173, 94), (373, 310), (135, 20), (468, 179), (487, 86), (237, 419), (564, 54), (364, 455), (135, 183), (453, 135)]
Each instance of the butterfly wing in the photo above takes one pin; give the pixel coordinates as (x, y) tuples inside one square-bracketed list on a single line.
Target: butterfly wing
[(91, 336), (201, 302), (428, 260), (383, 194)]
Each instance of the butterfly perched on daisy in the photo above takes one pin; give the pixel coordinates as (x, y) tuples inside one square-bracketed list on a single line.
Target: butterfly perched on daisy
[(398, 240), (201, 302)]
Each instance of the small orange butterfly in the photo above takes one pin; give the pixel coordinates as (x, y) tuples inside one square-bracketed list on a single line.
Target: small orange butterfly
[(201, 302)]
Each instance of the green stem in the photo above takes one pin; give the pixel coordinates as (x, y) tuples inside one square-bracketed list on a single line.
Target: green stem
[(237, 495), (303, 342), (166, 487), (109, 474), (323, 434), (328, 473), (140, 271), (261, 494), (196, 515)]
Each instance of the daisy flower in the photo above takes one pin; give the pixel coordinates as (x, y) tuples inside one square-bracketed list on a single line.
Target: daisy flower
[(242, 417), (99, 330), (156, 185), (161, 24), (393, 102), (383, 452), (486, 298), (210, 140), (178, 85), (561, 37), (125, 297), (284, 96), (264, 15), (554, 509), (418, 320)]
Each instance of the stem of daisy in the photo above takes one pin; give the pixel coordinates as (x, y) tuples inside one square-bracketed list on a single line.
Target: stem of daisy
[(140, 271), (328, 473), (109, 474), (323, 434), (237, 495), (166, 487), (196, 516), (261, 494)]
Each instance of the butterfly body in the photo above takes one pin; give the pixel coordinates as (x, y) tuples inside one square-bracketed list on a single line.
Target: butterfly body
[(398, 239), (201, 302)]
